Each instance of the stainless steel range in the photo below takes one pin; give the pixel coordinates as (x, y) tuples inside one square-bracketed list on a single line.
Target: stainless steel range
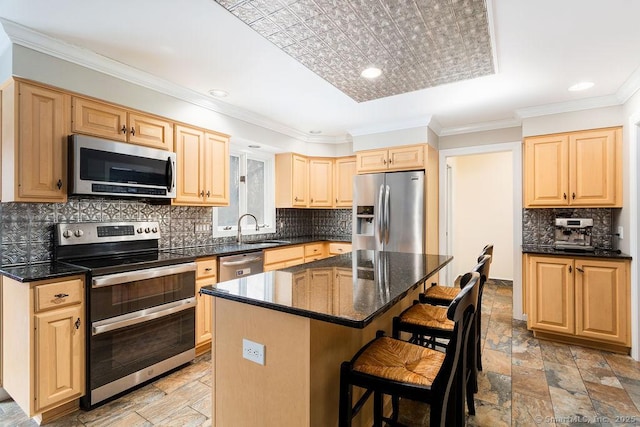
[(141, 304)]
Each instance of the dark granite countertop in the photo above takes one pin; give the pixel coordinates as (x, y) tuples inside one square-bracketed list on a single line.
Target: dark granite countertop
[(549, 250), (350, 289), (51, 270)]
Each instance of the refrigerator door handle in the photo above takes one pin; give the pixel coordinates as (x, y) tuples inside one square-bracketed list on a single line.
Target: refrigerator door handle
[(387, 213), (380, 214)]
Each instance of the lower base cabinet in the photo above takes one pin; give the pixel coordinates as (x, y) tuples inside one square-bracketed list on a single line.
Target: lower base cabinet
[(290, 256), (206, 274), (579, 300), (45, 348)]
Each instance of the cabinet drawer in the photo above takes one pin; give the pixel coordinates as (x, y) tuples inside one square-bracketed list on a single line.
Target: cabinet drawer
[(59, 294), (283, 255), (314, 249), (339, 248), (206, 268)]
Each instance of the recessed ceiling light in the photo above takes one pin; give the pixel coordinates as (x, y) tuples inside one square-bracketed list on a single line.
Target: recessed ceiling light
[(219, 93), (315, 132), (581, 86), (371, 73)]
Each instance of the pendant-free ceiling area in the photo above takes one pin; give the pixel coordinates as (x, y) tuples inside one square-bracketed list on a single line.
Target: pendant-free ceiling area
[(416, 43)]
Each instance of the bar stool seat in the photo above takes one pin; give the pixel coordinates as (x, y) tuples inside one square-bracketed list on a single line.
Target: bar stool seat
[(427, 316)]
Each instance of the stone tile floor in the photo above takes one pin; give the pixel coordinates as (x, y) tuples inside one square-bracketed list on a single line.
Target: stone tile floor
[(525, 382)]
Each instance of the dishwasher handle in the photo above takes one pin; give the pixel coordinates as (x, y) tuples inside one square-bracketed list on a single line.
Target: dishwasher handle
[(241, 262)]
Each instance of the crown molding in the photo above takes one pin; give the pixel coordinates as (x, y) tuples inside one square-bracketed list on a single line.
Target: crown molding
[(391, 126), (629, 87), (480, 127), (569, 106), (34, 40)]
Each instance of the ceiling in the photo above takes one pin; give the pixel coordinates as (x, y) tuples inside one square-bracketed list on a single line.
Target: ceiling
[(538, 49)]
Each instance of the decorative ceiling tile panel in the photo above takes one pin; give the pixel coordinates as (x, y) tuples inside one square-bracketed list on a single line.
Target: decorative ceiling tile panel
[(417, 43)]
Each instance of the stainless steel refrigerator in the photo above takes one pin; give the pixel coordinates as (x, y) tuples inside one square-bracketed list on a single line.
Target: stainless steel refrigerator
[(388, 212)]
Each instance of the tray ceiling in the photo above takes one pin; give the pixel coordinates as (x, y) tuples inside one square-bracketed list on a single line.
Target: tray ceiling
[(416, 43)]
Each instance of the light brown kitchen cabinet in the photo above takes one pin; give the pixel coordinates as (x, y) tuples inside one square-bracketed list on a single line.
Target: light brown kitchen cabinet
[(336, 248), (206, 274), (315, 251), (288, 256), (34, 134), (292, 181), (47, 337), (320, 182), (345, 170), (391, 159), (119, 124), (584, 299), (202, 167), (581, 169)]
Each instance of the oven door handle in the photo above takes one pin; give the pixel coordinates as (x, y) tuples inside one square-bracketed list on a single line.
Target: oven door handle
[(241, 262), (141, 316), (149, 273)]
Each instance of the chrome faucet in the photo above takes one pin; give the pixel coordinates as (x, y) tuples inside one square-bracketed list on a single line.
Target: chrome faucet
[(239, 237)]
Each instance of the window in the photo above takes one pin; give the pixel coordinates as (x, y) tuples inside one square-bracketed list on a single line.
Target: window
[(251, 190)]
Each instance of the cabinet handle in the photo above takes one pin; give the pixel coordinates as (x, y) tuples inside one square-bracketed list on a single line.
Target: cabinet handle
[(570, 269), (564, 196), (336, 200), (61, 295), (579, 269), (208, 269), (133, 131), (59, 184), (124, 129), (202, 193), (208, 193), (384, 161), (573, 196), (77, 324), (390, 160), (296, 199), (312, 200)]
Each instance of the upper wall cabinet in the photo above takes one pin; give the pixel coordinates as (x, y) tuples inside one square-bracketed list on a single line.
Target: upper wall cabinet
[(202, 163), (392, 159), (321, 182), (116, 123), (582, 169), (292, 178), (345, 170), (34, 132)]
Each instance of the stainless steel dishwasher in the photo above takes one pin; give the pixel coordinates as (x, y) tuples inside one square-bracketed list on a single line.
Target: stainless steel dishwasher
[(235, 266)]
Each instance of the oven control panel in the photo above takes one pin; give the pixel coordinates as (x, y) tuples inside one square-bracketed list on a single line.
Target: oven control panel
[(103, 232)]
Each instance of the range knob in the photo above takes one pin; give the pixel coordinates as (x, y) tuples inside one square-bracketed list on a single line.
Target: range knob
[(66, 234), (139, 230), (154, 229), (147, 230), (78, 233)]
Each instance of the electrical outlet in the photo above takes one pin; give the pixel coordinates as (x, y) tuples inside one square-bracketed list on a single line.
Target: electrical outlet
[(620, 232), (253, 351)]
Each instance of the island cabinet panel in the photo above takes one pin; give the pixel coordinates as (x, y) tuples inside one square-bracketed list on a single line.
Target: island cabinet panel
[(579, 300), (574, 169)]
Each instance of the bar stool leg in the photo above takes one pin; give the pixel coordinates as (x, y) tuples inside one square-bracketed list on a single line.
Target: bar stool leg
[(377, 409), (346, 391)]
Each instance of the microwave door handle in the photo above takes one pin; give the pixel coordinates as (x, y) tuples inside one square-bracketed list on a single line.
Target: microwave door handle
[(169, 174)]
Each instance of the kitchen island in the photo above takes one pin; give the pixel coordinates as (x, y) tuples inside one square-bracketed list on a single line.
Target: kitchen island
[(309, 318)]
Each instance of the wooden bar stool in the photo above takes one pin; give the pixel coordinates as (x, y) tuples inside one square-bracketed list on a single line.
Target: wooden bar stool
[(404, 370)]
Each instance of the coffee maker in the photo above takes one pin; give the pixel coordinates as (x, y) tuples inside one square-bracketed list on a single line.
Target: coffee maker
[(573, 234)]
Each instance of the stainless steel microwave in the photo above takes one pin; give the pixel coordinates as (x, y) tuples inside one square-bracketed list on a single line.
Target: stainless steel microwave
[(101, 167)]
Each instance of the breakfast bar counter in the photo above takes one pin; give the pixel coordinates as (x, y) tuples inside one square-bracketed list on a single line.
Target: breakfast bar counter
[(299, 324)]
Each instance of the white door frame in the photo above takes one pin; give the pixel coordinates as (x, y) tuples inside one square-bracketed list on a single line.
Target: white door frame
[(516, 150), (634, 206)]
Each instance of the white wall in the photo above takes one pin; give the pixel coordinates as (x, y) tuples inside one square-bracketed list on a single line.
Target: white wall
[(482, 211), (576, 120)]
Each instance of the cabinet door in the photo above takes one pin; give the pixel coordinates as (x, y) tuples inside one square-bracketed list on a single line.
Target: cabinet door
[(216, 169), (150, 131), (546, 173), (98, 119), (343, 186), (552, 294), (42, 148), (189, 167), (320, 183), (371, 161), (343, 292), (59, 356), (321, 290), (593, 168), (300, 290), (204, 312), (299, 177), (602, 300), (404, 158)]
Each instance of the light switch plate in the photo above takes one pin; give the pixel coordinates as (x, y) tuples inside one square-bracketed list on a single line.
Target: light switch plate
[(620, 232), (253, 351)]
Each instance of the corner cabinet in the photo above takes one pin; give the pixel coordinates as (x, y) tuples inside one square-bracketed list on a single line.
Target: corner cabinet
[(202, 163), (34, 134), (392, 159), (579, 300), (345, 170), (47, 338), (321, 182), (582, 169), (206, 274)]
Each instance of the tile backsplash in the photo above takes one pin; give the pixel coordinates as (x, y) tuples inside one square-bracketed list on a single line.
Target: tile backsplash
[(538, 225), (26, 229)]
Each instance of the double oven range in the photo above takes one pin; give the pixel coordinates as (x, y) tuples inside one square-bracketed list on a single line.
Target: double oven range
[(140, 303)]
